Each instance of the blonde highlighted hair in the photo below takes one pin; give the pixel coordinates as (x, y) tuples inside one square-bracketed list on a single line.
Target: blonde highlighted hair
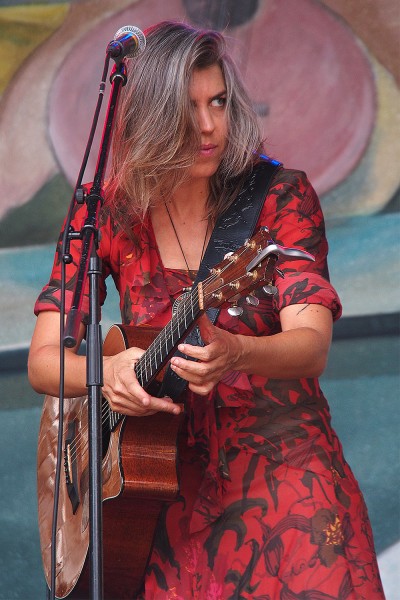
[(156, 135)]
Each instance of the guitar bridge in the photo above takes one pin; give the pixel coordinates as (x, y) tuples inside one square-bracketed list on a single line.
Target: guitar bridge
[(70, 466)]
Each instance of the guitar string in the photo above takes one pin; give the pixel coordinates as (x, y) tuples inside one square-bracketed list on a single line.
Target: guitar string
[(106, 408)]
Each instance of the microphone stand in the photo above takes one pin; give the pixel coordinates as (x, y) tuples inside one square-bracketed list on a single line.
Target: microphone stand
[(90, 266)]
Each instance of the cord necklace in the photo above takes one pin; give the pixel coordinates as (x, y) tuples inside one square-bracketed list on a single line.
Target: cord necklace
[(179, 242)]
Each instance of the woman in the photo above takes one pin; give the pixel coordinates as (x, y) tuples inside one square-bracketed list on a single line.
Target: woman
[(268, 507)]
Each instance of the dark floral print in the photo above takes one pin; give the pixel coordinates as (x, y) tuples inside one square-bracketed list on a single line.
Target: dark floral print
[(268, 507)]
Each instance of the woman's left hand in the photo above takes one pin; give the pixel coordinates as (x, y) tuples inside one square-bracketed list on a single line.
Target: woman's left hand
[(299, 350), (212, 361)]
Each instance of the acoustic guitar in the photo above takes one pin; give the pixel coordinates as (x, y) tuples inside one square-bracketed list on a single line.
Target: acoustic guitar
[(139, 454)]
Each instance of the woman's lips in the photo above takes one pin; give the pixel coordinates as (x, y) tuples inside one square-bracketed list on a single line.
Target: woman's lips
[(208, 149)]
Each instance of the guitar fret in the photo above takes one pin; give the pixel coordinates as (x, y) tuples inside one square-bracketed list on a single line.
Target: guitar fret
[(170, 338), (166, 338), (139, 373), (146, 366), (192, 307)]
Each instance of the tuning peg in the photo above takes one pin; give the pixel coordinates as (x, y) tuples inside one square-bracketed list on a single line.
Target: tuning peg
[(252, 300), (235, 311), (270, 290)]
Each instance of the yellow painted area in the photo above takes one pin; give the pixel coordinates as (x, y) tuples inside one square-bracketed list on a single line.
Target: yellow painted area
[(22, 29)]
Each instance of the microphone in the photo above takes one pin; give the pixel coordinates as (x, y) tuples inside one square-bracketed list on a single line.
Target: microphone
[(127, 42)]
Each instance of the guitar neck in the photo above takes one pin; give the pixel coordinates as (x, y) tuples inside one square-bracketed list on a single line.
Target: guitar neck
[(163, 346)]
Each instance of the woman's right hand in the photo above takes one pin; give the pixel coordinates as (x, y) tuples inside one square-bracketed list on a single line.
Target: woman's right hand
[(121, 388), (123, 391)]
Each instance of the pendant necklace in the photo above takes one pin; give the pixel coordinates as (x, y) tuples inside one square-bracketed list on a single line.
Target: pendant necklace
[(186, 291), (180, 245)]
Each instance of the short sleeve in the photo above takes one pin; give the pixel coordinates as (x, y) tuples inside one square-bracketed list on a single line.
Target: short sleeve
[(293, 214), (50, 297)]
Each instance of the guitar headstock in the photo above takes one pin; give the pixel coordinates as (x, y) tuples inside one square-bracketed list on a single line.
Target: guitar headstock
[(246, 269)]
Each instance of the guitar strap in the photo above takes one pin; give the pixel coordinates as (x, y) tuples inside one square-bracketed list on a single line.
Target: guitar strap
[(230, 232)]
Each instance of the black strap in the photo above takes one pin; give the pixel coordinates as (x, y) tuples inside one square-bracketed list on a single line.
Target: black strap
[(230, 232)]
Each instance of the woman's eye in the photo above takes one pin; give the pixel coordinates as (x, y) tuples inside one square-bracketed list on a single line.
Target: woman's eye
[(219, 102)]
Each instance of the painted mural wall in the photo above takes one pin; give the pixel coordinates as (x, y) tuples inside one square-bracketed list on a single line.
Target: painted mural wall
[(324, 78)]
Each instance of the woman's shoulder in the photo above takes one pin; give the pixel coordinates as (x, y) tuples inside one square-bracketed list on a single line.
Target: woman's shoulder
[(283, 176), (295, 178), (292, 187), (292, 197)]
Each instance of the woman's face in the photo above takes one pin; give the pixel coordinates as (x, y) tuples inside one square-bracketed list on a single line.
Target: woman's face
[(207, 93)]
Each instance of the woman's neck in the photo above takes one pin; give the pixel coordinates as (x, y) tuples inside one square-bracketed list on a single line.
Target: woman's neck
[(189, 201), (182, 228)]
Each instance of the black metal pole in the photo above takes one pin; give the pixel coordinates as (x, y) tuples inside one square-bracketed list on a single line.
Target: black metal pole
[(90, 266), (94, 367)]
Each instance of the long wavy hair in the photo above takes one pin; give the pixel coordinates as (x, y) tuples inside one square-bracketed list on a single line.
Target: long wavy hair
[(156, 135)]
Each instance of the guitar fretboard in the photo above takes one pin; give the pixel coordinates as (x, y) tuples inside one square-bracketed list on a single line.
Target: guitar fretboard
[(164, 344), (162, 347)]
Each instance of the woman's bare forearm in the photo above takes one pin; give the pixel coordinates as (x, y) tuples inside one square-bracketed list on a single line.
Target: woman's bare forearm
[(44, 372), (44, 359), (293, 354)]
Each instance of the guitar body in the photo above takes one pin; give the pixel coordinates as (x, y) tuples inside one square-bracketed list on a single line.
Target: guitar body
[(139, 476)]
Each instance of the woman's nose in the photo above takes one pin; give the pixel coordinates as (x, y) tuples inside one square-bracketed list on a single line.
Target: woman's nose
[(205, 120)]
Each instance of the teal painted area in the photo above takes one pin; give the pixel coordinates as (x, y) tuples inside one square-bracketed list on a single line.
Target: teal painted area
[(364, 398), (20, 560), (364, 239), (364, 262), (39, 220)]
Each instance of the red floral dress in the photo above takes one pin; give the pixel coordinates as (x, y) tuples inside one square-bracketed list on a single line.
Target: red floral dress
[(268, 507)]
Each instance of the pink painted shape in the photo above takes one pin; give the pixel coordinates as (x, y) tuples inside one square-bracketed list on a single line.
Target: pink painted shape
[(306, 64), (297, 58)]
